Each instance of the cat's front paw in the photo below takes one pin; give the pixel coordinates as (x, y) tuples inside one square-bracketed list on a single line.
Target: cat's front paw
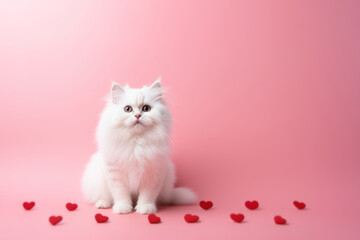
[(103, 204), (122, 208), (145, 208)]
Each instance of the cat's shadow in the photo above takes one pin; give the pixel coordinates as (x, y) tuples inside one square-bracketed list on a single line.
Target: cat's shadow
[(169, 207)]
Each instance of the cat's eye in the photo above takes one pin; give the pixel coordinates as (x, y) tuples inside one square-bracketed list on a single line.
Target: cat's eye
[(128, 108), (146, 108)]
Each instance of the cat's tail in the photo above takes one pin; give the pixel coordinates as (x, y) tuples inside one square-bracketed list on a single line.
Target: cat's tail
[(182, 196)]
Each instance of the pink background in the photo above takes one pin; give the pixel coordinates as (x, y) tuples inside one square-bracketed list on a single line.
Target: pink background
[(265, 97)]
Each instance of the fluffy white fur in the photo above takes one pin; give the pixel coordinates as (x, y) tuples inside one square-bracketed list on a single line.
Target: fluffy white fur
[(132, 162)]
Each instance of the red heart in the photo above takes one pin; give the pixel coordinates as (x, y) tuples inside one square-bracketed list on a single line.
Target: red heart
[(71, 206), (28, 205), (55, 219), (299, 205), (206, 205), (153, 218), (100, 218), (252, 205), (191, 218), (237, 217), (279, 220)]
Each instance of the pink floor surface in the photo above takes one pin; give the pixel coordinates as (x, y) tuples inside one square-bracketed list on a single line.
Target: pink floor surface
[(331, 212)]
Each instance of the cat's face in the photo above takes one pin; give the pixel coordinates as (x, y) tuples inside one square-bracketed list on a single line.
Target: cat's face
[(139, 110)]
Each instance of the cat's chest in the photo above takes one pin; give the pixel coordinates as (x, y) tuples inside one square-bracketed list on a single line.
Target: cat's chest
[(133, 151)]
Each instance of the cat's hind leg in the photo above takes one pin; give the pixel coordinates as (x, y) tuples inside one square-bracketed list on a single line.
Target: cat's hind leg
[(94, 186)]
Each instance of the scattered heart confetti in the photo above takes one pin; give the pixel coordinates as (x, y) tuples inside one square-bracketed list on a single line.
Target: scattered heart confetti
[(252, 205), (100, 218), (299, 205), (279, 220), (28, 205), (55, 219), (191, 218), (153, 218), (188, 217), (206, 205), (71, 206), (237, 217)]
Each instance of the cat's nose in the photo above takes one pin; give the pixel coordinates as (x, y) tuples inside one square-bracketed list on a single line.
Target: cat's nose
[(138, 116)]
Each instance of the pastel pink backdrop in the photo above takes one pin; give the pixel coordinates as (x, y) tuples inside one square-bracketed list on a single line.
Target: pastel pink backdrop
[(265, 102)]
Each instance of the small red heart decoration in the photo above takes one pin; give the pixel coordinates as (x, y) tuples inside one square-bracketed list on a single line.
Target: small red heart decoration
[(55, 219), (206, 205), (237, 217), (191, 218), (71, 206), (299, 205), (100, 218), (153, 218), (279, 220), (252, 205), (28, 205)]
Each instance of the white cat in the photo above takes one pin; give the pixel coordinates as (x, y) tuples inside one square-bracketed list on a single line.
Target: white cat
[(132, 162)]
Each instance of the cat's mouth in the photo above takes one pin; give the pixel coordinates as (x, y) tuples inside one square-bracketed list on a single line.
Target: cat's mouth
[(137, 122)]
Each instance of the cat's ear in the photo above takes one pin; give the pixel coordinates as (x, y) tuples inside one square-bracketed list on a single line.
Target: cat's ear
[(157, 89), (156, 84), (116, 92)]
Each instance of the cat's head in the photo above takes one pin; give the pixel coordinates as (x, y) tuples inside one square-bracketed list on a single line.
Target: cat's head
[(139, 110)]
